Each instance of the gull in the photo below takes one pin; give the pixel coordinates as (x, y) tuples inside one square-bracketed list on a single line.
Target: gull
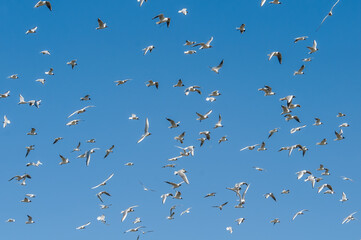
[(300, 39), (120, 82), (80, 111), (14, 76), (101, 218), (184, 11), (189, 43), (267, 91), (222, 139), (288, 98), (202, 140), (177, 195), (304, 149), (299, 71), (169, 165), (182, 174), (210, 195), (344, 197), (40, 80), (204, 45), (108, 151), (323, 142), (87, 155), (26, 200), (101, 25), (349, 218), (6, 121), (215, 93), (180, 137), (321, 168), (274, 221), (267, 195), (273, 131), (313, 48), (30, 220), (249, 147), (219, 123), (63, 160), (240, 220), (326, 172), (339, 135), (30, 195), (141, 2), (175, 185), (45, 52), (293, 130), (259, 169), (5, 95), (148, 49), (293, 106), (91, 140), (22, 177), (162, 19), (137, 220), (171, 213), (192, 89), (218, 67), (221, 206), (263, 2), (229, 229), (50, 72), (301, 173), (72, 63), (173, 123), (146, 131), (85, 98), (126, 211), (275, 2), (179, 83), (57, 139), (73, 122), (32, 30), (43, 3), (289, 117), (164, 197), (133, 117), (262, 147), (277, 54), (10, 220), (242, 28), (99, 195), (129, 164), (299, 213), (211, 99), (190, 52), (203, 117), (185, 211), (307, 59), (37, 164), (328, 14), (28, 149), (317, 122), (77, 148), (320, 188), (83, 226), (285, 110), (34, 103), (340, 115), (152, 83), (104, 182), (242, 199), (206, 134), (347, 179), (145, 188), (344, 125), (284, 191)]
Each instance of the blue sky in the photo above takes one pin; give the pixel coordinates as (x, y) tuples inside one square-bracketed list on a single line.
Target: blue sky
[(331, 84)]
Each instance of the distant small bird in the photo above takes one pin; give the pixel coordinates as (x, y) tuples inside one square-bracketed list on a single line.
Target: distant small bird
[(146, 131), (307, 59), (32, 30), (229, 229), (330, 13), (63, 160), (180, 137), (83, 226), (299, 71), (104, 182), (190, 52), (284, 191), (148, 49), (277, 54), (204, 45), (339, 135), (344, 125), (267, 90), (45, 52), (340, 115), (99, 195), (189, 43), (203, 117), (40, 80), (299, 213), (6, 121), (275, 2), (323, 142), (152, 83), (297, 39), (183, 11), (274, 221), (242, 28), (14, 76), (108, 151), (133, 117), (120, 82), (179, 83), (220, 207), (314, 48), (173, 123), (101, 25), (30, 220), (317, 122), (267, 195), (141, 2), (218, 67), (43, 3), (210, 195), (57, 139), (162, 19), (349, 218), (50, 72), (273, 131), (250, 147), (240, 220), (344, 197), (72, 63), (219, 123)]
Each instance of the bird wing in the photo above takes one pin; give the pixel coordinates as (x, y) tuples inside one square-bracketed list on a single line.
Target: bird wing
[(47, 3), (209, 41), (220, 64), (184, 177), (87, 156), (207, 114), (146, 125), (100, 22), (73, 113)]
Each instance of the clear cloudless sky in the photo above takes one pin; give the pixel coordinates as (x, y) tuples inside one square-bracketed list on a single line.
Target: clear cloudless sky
[(64, 200)]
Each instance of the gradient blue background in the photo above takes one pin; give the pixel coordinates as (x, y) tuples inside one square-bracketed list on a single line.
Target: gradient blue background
[(64, 199)]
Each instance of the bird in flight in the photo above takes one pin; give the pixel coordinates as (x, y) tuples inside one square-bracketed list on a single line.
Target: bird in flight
[(146, 131)]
